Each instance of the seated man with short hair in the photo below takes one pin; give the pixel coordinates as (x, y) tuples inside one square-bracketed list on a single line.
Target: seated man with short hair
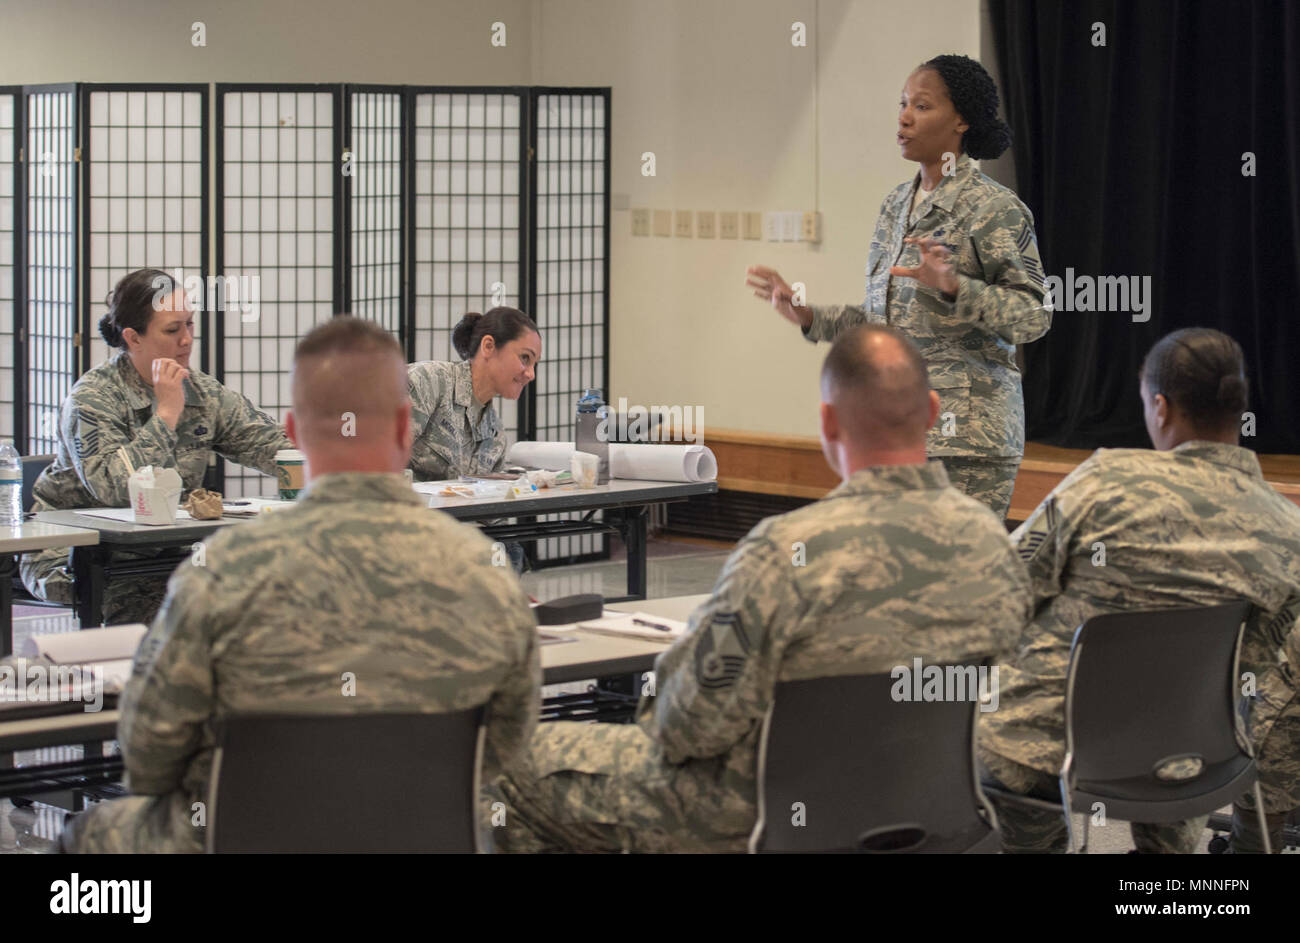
[(357, 600), (893, 564)]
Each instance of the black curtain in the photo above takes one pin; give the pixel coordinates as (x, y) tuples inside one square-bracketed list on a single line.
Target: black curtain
[(1130, 156)]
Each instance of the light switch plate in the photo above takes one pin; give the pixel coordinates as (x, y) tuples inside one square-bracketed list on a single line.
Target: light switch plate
[(812, 227)]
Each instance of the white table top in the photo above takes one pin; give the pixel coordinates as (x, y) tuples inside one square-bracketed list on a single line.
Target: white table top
[(618, 493), (594, 655), (616, 489), (57, 729), (590, 656), (670, 607), (39, 535)]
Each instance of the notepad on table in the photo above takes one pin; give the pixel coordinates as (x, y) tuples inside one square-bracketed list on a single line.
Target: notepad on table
[(636, 625), (112, 650)]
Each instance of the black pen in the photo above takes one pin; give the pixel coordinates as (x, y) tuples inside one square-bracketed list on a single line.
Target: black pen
[(652, 625)]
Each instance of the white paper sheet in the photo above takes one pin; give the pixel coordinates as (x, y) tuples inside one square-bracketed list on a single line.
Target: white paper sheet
[(89, 645), (127, 515), (625, 624)]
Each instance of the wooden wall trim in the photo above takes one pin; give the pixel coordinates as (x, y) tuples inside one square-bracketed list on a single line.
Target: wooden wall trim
[(762, 463)]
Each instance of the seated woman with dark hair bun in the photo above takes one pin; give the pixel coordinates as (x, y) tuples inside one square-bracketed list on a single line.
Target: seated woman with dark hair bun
[(145, 406), (1190, 523), (456, 430)]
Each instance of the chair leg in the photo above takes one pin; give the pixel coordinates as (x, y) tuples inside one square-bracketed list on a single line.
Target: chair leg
[(1263, 822), (1069, 819)]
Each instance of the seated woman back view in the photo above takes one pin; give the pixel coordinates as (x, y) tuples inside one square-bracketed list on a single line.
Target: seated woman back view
[(147, 405), (1190, 523)]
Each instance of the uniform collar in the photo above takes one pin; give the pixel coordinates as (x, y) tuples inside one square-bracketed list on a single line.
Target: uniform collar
[(1220, 453), (140, 394), (363, 486), (482, 417), (949, 189), (463, 394), (884, 479)]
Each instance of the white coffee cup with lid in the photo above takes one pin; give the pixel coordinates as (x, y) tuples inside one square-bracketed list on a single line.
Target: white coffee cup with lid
[(290, 471)]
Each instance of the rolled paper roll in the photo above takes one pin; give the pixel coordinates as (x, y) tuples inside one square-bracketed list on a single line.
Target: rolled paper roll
[(648, 462)]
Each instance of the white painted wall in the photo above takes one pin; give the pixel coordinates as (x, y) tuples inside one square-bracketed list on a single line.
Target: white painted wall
[(738, 118)]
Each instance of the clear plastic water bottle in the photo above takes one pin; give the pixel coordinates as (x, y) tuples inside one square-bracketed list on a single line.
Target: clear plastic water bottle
[(588, 434), (11, 485)]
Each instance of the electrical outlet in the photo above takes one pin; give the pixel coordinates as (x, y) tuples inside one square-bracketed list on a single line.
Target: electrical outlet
[(753, 225), (706, 224), (729, 225), (663, 222), (812, 227), (641, 222), (684, 224)]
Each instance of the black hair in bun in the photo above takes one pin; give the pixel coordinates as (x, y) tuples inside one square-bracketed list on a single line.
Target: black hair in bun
[(132, 303), (1202, 372), (503, 325), (975, 96)]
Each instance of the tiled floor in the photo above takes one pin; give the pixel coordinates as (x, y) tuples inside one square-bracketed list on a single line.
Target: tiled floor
[(673, 569)]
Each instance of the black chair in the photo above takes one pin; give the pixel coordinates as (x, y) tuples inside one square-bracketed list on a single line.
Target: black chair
[(869, 774), (351, 783), (33, 465), (1151, 707)]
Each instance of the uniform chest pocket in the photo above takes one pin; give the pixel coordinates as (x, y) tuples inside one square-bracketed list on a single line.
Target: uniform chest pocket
[(194, 436), (951, 380), (194, 441)]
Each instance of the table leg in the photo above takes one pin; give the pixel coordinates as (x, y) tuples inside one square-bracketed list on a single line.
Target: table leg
[(8, 570), (88, 584), (634, 529)]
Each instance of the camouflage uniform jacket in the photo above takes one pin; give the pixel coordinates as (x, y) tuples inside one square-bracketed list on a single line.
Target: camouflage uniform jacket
[(111, 408), (970, 343), (893, 564), (1133, 529), (359, 577), (454, 434)]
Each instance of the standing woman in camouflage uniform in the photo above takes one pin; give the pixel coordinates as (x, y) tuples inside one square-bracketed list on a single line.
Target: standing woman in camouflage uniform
[(456, 430), (148, 406), (953, 265)]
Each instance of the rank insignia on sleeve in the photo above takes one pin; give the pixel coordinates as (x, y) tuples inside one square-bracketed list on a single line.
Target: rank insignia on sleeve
[(1033, 541), (1035, 272), (86, 441), (721, 654), (1025, 238)]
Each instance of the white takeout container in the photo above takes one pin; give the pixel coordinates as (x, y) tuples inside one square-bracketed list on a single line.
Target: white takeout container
[(155, 504)]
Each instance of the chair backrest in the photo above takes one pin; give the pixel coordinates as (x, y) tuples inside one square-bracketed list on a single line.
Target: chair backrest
[(33, 465), (1136, 688), (345, 783), (865, 772)]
